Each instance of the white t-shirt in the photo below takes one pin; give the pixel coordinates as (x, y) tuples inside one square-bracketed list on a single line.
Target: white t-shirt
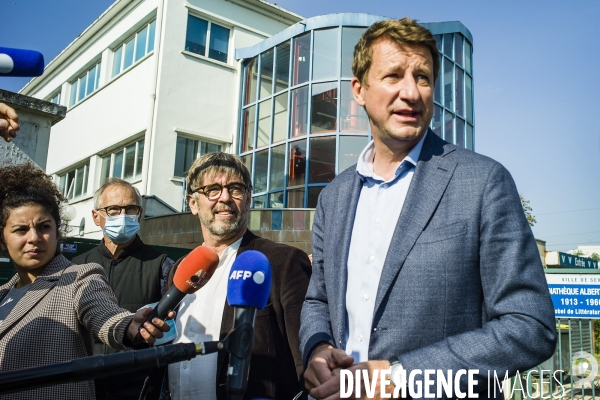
[(199, 320)]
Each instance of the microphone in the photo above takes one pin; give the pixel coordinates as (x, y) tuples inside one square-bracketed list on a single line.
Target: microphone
[(248, 289), (18, 62), (100, 366), (193, 273)]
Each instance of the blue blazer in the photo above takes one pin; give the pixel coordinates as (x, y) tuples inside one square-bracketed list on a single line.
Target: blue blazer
[(462, 285)]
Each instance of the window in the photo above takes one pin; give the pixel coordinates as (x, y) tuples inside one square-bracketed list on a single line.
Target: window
[(458, 49), (324, 107), (199, 32), (460, 132), (125, 163), (350, 37), (248, 129), (133, 48), (325, 54), (264, 123), (448, 127), (299, 112), (353, 117), (301, 59), (282, 67), (469, 97), (458, 95), (448, 84), (277, 176), (468, 64), (73, 184), (436, 122), (266, 73), (448, 45), (350, 149), (261, 167), (56, 98), (321, 167), (280, 118), (297, 164), (85, 85), (188, 150), (251, 76)]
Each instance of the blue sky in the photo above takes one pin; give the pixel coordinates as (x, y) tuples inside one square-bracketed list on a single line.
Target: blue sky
[(536, 77)]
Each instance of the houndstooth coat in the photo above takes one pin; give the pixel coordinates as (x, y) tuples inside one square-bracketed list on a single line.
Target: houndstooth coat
[(65, 308)]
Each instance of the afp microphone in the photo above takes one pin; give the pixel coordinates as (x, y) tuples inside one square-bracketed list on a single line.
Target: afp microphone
[(193, 273), (19, 62), (248, 289)]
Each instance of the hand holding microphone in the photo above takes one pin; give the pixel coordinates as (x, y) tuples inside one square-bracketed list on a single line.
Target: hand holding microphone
[(248, 289), (152, 330), (193, 273)]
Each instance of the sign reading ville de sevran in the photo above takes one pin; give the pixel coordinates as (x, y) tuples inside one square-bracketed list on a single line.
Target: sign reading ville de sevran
[(574, 295)]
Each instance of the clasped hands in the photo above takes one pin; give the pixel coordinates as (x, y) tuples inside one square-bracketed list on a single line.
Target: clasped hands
[(322, 376)]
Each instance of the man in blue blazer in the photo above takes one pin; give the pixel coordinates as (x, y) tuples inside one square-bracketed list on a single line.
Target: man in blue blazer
[(422, 256)]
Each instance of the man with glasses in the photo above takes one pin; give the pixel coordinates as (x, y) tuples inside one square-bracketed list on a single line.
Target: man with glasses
[(137, 273), (219, 192)]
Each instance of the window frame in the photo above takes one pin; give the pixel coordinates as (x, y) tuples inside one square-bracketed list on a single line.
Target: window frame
[(134, 36), (64, 190), (208, 37), (123, 150), (198, 140), (75, 84), (53, 96)]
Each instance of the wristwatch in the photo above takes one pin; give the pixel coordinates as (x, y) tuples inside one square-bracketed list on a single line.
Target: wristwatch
[(395, 370)]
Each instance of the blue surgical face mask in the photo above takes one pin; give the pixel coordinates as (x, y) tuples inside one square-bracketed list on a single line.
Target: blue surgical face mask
[(121, 228)]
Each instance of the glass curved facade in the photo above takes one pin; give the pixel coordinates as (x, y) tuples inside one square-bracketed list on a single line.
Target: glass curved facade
[(299, 123)]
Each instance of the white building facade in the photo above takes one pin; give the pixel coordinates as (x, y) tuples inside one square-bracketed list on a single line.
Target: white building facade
[(149, 86), (153, 84)]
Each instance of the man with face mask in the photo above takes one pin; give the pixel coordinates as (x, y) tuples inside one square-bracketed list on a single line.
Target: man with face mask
[(137, 273)]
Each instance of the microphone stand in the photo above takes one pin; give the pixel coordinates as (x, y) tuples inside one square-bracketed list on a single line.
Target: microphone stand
[(238, 342), (86, 368)]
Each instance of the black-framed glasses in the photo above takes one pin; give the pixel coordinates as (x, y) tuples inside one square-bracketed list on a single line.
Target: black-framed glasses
[(237, 190), (113, 211)]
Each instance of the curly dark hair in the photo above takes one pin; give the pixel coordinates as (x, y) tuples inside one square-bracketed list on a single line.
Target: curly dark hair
[(26, 184)]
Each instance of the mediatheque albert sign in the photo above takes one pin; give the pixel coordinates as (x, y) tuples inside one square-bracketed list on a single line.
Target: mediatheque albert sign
[(575, 295)]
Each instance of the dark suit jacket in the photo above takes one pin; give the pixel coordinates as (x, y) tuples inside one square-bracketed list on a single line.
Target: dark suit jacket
[(276, 361), (462, 286)]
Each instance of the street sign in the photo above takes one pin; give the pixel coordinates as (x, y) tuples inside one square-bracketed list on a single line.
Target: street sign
[(575, 295), (557, 258)]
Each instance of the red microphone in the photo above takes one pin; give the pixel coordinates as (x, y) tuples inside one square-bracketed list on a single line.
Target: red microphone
[(193, 273)]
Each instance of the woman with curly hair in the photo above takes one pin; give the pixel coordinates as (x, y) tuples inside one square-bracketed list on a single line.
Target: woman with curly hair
[(52, 310)]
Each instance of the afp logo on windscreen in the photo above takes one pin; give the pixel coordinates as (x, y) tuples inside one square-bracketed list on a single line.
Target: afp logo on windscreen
[(258, 277)]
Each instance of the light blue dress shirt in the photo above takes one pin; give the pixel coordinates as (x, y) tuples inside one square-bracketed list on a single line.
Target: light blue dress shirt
[(377, 214)]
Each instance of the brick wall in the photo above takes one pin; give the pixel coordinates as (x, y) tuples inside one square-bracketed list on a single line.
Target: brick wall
[(292, 227)]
